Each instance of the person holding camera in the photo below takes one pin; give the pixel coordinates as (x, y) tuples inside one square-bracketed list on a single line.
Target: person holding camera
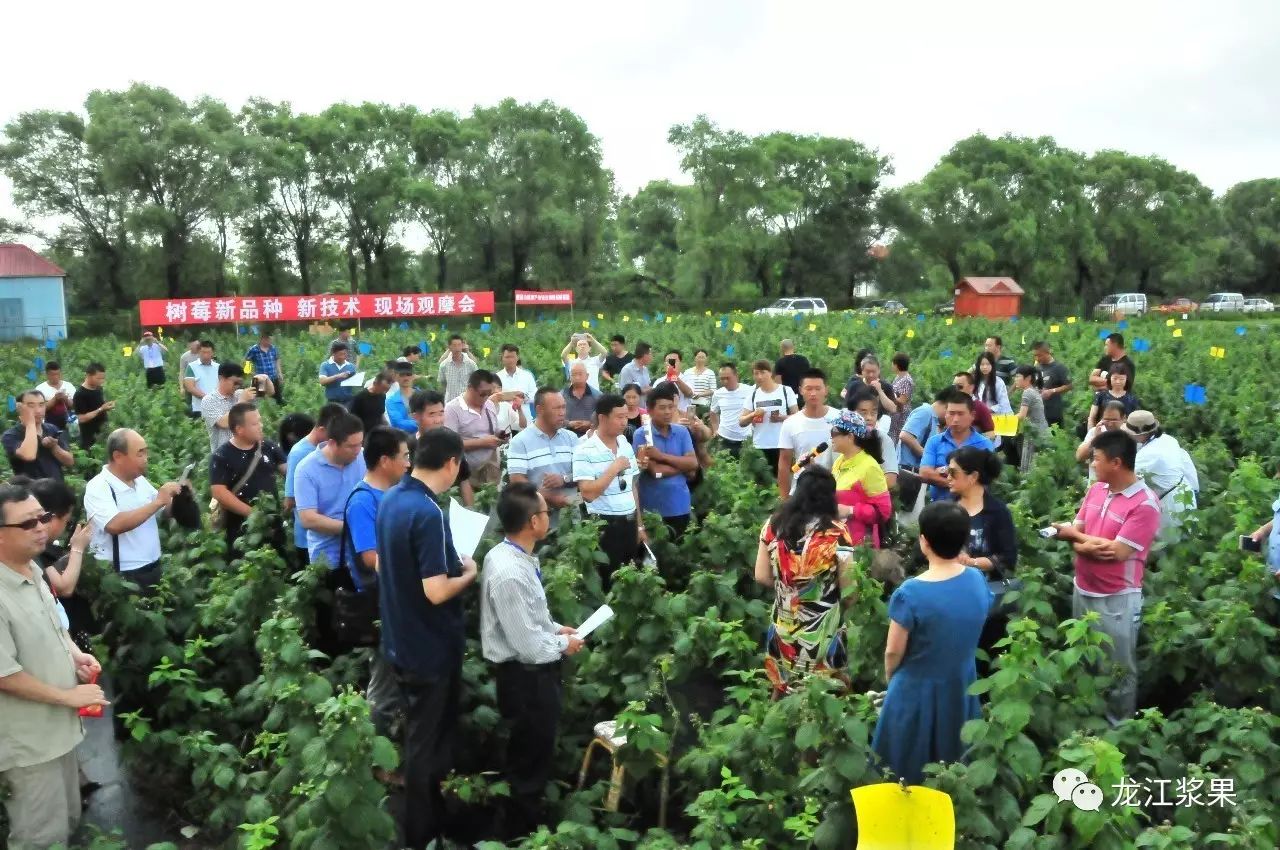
[(676, 376), (216, 406), (578, 350)]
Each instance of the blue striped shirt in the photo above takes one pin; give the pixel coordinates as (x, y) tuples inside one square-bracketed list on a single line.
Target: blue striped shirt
[(590, 460)]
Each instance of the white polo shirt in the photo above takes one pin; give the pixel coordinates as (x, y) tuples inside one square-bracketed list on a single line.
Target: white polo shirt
[(590, 460), (138, 547), (730, 404)]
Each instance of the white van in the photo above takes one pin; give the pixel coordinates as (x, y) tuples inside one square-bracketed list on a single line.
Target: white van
[(1223, 302), (1126, 303)]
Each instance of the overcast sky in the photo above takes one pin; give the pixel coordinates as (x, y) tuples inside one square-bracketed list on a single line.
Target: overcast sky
[(1194, 82)]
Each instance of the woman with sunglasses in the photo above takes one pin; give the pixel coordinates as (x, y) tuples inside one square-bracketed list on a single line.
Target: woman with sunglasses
[(993, 542), (862, 491), (805, 555)]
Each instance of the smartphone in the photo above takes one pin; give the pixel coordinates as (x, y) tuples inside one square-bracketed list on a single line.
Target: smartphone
[(1248, 544), (186, 472), (1048, 531)]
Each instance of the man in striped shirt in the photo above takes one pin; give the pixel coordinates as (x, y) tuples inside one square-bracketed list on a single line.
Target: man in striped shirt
[(543, 454), (1112, 536), (518, 635), (604, 467)]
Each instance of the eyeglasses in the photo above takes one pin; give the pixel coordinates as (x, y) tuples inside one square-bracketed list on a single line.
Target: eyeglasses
[(30, 524)]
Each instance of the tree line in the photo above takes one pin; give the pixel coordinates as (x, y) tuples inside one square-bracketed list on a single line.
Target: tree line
[(144, 194)]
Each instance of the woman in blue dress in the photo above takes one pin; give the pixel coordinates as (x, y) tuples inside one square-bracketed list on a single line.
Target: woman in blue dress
[(935, 621)]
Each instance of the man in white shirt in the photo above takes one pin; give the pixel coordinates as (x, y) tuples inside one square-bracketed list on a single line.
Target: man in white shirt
[(516, 381), (201, 377), (1166, 468), (58, 395), (605, 469), (806, 429), (152, 352), (673, 361), (770, 404), (121, 505), (728, 402), (584, 343)]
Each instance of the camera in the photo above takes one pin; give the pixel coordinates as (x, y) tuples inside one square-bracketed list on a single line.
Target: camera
[(671, 361)]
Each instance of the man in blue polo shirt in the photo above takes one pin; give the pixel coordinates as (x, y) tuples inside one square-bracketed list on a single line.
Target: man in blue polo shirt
[(321, 484), (921, 424), (664, 452), (420, 582), (959, 433), (334, 371)]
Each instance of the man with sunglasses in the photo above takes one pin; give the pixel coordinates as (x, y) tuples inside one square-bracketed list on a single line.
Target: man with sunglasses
[(121, 505), (474, 418), (44, 681), (604, 466), (35, 448)]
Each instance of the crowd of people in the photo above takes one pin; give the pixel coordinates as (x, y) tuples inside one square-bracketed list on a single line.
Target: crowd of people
[(619, 440)]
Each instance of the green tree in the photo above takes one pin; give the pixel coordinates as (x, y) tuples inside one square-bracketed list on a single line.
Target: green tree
[(56, 175), (649, 224), (1251, 212), (176, 160)]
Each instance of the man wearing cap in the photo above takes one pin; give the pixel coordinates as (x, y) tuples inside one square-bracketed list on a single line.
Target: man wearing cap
[(1111, 537), (398, 398), (335, 370), (1167, 469), (152, 352), (265, 358)]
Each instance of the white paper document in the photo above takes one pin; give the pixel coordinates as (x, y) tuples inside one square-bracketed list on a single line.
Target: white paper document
[(602, 615), (467, 527), (356, 380)]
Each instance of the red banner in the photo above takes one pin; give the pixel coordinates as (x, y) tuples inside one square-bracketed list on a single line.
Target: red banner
[(550, 298), (312, 308)]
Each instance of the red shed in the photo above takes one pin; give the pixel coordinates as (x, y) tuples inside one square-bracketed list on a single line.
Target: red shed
[(992, 297)]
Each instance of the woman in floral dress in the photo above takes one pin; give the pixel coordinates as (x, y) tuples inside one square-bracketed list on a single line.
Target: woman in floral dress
[(806, 554)]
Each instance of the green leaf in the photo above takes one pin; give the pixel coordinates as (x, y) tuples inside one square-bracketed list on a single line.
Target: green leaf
[(1039, 809), (384, 754), (808, 736)]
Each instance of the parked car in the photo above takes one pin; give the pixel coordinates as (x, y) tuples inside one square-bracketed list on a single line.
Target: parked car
[(1223, 302), (890, 306), (1178, 305), (1124, 303), (790, 306), (1258, 305), (947, 309)]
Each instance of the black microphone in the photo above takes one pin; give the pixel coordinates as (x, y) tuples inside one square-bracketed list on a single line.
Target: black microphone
[(809, 458)]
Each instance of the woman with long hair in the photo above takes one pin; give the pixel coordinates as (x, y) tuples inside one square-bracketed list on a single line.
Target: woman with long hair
[(634, 397), (935, 620), (805, 554), (862, 491), (991, 390)]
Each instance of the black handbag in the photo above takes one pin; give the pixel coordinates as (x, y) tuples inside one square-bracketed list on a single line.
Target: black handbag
[(999, 586), (355, 613)]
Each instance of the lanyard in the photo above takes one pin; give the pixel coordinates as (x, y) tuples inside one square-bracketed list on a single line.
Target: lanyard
[(537, 568)]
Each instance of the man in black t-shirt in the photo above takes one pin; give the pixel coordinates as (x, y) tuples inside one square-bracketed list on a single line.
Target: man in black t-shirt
[(90, 405), (618, 357), (790, 367), (369, 405), (231, 461), (1113, 355)]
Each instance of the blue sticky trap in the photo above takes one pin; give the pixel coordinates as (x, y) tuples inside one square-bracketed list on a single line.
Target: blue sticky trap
[(31, 374), (39, 362), (723, 323), (728, 350), (13, 404), (658, 317), (1104, 333), (61, 334), (253, 329), (50, 344), (1194, 394), (541, 317), (426, 347), (404, 326), (919, 317), (1141, 344), (946, 353), (239, 329), (593, 323), (302, 349), (1013, 319), (1123, 324), (484, 327), (1240, 331), (873, 322), (798, 316), (364, 348)]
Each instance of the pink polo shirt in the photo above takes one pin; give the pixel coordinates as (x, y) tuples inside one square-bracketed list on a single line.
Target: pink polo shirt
[(1131, 516)]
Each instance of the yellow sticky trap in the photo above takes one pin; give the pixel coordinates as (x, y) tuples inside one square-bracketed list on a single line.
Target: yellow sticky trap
[(626, 318), (668, 320), (737, 327), (833, 343), (911, 333), (708, 312), (248, 368), (159, 331), (950, 320), (1218, 352), (128, 351), (1168, 323), (486, 351), (520, 325), (812, 327), (488, 318), (600, 316), (585, 323), (1053, 329), (1006, 424), (433, 336), (1071, 320), (1177, 332), (892, 818)]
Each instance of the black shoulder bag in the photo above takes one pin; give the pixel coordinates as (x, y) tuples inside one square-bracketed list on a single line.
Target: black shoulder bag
[(355, 613)]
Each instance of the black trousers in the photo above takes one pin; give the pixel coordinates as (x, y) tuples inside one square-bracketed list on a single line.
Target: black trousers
[(620, 543), (771, 455), (529, 701), (278, 383), (676, 525), (733, 447), (155, 376), (431, 719)]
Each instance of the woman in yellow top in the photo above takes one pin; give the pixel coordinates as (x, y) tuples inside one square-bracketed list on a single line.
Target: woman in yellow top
[(861, 488)]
